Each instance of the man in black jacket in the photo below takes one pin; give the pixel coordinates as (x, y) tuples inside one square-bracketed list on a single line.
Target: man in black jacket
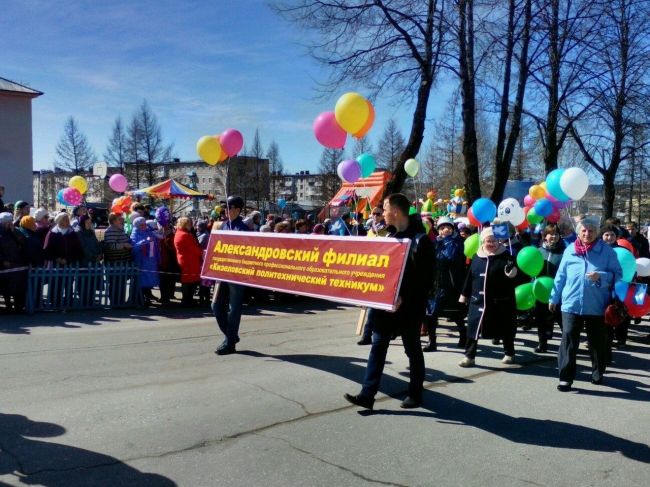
[(411, 306)]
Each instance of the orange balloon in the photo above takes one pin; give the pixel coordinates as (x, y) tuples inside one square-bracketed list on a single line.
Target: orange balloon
[(369, 122)]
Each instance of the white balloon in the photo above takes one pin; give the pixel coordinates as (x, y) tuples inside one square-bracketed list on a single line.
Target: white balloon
[(574, 183), (509, 210), (643, 267)]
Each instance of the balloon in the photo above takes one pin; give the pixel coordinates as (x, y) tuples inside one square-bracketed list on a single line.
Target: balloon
[(522, 227), (59, 197), (369, 122), (530, 261), (163, 216), (626, 244), (633, 309), (352, 112), (627, 261), (472, 219), (542, 287), (543, 207), (529, 200), (72, 196), (413, 210), (411, 166), (328, 132), (118, 183), (554, 217), (231, 141), (533, 218), (510, 211), (484, 210), (349, 170), (553, 185), (643, 267), (524, 296), (117, 209), (471, 245), (427, 226), (282, 203), (209, 149), (367, 163), (536, 192), (574, 183), (620, 289), (79, 183)]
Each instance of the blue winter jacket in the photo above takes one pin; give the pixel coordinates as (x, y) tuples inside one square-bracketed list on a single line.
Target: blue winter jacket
[(578, 294)]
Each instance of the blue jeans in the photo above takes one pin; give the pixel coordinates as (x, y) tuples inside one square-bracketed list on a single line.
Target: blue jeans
[(227, 309), (377, 360), (572, 325)]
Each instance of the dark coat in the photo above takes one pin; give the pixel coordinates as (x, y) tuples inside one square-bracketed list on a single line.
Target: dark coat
[(416, 282), (491, 293), (450, 273), (92, 249), (34, 253), (552, 259), (63, 246)]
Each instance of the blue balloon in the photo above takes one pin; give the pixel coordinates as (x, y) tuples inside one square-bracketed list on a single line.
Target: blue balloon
[(59, 197), (484, 210), (367, 163), (553, 185), (620, 288), (543, 207), (282, 203)]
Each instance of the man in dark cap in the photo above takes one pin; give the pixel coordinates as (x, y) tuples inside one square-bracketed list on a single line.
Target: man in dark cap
[(228, 297)]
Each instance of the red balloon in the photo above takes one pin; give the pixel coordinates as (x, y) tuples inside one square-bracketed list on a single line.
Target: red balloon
[(627, 245), (554, 217), (633, 309), (472, 219), (523, 226)]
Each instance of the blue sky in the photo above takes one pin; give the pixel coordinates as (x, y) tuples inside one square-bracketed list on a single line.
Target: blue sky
[(202, 66)]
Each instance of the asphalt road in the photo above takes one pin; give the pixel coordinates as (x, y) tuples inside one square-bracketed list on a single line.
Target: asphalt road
[(119, 398)]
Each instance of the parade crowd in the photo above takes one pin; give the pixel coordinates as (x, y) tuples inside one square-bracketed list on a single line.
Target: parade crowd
[(477, 295)]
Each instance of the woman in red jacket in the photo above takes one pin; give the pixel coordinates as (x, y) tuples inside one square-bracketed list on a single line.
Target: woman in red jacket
[(189, 254)]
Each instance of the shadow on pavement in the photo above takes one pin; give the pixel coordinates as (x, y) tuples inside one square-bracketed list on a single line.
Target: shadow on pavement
[(35, 462), (447, 409)]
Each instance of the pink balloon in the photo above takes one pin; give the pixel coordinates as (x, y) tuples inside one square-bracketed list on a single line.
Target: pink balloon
[(529, 200), (231, 141), (72, 196), (118, 183), (328, 131)]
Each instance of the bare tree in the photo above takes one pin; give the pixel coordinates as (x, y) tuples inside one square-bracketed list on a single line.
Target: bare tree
[(361, 146), (276, 168), (154, 150), (116, 150), (73, 151), (259, 176), (621, 59), (330, 182), (134, 147), (391, 147), (385, 45)]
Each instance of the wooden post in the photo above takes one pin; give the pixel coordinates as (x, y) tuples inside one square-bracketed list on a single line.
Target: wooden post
[(362, 320)]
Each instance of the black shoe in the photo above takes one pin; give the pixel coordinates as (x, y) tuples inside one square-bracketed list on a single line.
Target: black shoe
[(541, 349), (597, 381), (364, 341), (359, 400), (225, 349), (564, 387), (496, 341), (431, 347), (410, 403)]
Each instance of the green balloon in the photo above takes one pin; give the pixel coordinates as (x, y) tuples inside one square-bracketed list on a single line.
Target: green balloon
[(471, 245), (530, 261), (413, 210), (533, 218), (542, 287), (524, 296)]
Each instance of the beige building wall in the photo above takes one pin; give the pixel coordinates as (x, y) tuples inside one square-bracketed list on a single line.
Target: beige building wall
[(16, 147)]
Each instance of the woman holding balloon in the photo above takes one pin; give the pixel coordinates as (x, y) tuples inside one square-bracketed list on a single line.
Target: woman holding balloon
[(583, 284), (490, 292)]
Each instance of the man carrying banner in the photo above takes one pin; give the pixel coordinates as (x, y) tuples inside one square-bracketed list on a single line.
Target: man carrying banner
[(408, 316), (229, 297)]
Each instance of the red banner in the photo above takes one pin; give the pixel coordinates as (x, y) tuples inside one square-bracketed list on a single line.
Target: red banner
[(354, 270)]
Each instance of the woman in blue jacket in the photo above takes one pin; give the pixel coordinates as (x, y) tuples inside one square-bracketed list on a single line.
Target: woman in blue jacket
[(583, 284)]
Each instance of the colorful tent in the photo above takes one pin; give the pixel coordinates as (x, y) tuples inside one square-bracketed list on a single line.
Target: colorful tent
[(170, 189), (365, 193)]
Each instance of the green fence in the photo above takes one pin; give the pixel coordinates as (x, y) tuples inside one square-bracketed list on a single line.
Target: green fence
[(92, 286)]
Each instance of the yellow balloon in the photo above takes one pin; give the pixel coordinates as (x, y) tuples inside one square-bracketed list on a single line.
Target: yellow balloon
[(536, 191), (209, 149), (79, 183), (459, 192), (543, 185), (352, 112)]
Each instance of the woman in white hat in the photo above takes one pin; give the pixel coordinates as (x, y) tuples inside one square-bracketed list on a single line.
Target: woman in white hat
[(490, 292)]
